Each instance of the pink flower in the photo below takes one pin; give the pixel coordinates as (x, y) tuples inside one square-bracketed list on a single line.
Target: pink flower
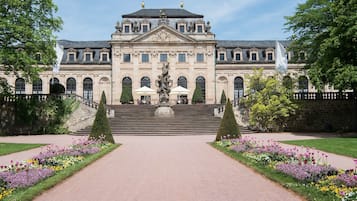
[(355, 160)]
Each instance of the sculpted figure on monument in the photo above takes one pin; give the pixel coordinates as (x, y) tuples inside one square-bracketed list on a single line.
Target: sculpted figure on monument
[(164, 84)]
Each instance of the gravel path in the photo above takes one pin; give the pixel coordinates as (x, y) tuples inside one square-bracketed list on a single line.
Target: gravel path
[(167, 169)]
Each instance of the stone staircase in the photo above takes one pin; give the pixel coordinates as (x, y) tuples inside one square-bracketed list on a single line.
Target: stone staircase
[(140, 120)]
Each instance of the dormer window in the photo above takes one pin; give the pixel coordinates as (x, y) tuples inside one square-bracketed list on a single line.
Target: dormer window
[(126, 28), (199, 28), (270, 56), (88, 55), (182, 28), (145, 28), (237, 54), (269, 53), (222, 56), (254, 54), (71, 57), (104, 55)]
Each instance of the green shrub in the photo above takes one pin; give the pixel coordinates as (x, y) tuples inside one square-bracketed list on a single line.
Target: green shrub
[(126, 95), (228, 127), (223, 98), (197, 95), (101, 127)]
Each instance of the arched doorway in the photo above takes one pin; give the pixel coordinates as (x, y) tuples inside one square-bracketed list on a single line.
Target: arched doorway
[(126, 93), (20, 86), (238, 89), (182, 81), (71, 86), (37, 86), (201, 82), (88, 89)]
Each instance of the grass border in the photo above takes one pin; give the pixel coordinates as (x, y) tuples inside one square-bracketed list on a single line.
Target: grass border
[(307, 192), (30, 193), (30, 146)]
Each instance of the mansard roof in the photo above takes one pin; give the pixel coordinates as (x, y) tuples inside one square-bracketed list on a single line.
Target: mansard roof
[(84, 44), (250, 43), (156, 13)]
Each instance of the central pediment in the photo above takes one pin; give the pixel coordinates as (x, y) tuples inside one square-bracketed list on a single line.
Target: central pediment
[(165, 34)]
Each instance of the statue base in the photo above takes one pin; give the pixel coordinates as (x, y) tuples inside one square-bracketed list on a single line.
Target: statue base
[(164, 111)]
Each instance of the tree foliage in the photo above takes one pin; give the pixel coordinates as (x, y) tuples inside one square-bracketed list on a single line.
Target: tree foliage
[(269, 102), (103, 98), (327, 31), (26, 30), (101, 127), (223, 98), (229, 126), (197, 95)]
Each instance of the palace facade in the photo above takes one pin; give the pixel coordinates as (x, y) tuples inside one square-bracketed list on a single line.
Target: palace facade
[(146, 40)]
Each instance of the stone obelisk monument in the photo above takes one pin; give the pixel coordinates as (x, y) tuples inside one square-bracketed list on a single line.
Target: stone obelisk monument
[(164, 84)]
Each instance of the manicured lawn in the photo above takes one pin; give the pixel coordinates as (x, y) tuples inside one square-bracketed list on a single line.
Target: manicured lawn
[(9, 148), (341, 146)]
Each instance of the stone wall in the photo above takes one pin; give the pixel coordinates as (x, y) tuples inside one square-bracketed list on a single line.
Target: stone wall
[(81, 118)]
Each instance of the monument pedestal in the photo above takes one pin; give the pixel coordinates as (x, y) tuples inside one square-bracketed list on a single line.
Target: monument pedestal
[(164, 111)]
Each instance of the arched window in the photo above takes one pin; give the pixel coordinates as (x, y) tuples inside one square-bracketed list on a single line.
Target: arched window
[(287, 82), (20, 86), (145, 81), (88, 89), (182, 81), (54, 81), (71, 86), (303, 84), (238, 88), (201, 82), (37, 86)]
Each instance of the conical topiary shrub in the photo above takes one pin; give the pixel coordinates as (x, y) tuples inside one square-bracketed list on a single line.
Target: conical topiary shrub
[(197, 95), (223, 98), (103, 98), (228, 127), (101, 127), (126, 95)]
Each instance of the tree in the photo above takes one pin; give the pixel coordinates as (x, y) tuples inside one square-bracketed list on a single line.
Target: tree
[(223, 98), (327, 31), (228, 127), (101, 127), (103, 98), (26, 33), (269, 103), (126, 95), (197, 95)]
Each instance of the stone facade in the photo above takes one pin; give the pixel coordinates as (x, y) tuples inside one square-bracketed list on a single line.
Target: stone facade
[(145, 40)]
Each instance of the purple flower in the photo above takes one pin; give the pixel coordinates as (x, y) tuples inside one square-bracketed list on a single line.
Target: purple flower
[(24, 178)]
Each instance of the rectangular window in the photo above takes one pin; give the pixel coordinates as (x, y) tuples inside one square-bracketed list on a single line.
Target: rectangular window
[(182, 28), (145, 28), (254, 56), (270, 56), (145, 58), (182, 58), (87, 57), (163, 57), (126, 57), (200, 57), (221, 56), (126, 28), (71, 57), (237, 56), (199, 29), (104, 57)]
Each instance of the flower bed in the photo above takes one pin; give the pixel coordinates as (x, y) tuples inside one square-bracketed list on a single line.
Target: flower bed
[(21, 175), (308, 169)]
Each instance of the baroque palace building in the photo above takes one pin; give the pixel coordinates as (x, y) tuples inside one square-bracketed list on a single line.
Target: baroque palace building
[(146, 40)]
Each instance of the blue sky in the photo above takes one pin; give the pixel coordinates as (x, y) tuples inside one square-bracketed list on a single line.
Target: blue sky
[(230, 19)]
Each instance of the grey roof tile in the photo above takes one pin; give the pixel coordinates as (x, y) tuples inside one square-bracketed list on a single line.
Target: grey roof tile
[(155, 13), (84, 44)]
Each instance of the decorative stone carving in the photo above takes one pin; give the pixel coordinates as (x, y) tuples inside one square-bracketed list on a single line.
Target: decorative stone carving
[(164, 84), (208, 27), (118, 28)]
